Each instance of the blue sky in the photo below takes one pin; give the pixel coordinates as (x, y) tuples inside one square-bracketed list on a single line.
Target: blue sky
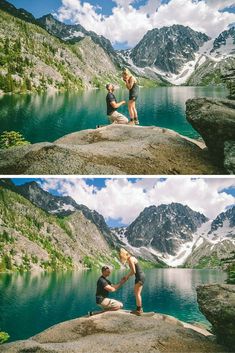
[(120, 200), (125, 22), (43, 7)]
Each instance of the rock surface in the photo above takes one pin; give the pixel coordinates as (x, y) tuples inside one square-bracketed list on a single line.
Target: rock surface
[(112, 150), (217, 303), (118, 332), (215, 121), (229, 156)]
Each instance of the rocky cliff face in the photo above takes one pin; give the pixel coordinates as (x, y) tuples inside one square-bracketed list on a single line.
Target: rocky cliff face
[(164, 228), (215, 121), (31, 238), (217, 303)]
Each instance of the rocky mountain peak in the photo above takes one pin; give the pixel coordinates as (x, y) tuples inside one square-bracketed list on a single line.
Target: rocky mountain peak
[(52, 204), (164, 228), (20, 13), (74, 33), (168, 48), (62, 30), (225, 38), (228, 217)]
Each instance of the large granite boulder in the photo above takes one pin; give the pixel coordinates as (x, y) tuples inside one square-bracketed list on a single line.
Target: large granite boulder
[(214, 119), (119, 332), (217, 303), (114, 149)]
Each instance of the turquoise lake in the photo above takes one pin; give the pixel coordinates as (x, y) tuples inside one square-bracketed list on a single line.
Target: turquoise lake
[(49, 116), (30, 303)]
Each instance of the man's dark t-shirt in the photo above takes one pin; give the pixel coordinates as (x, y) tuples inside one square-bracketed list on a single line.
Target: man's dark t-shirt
[(110, 98), (101, 293)]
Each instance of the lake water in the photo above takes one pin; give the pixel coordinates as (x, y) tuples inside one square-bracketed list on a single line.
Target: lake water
[(30, 303), (49, 116)]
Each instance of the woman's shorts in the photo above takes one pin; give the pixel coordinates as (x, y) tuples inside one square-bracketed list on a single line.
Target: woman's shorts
[(133, 98), (140, 280)]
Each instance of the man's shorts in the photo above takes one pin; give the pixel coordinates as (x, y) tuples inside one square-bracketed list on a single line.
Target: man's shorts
[(110, 304), (117, 118)]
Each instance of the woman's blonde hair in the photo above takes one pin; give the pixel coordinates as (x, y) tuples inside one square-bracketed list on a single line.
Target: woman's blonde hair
[(126, 72), (124, 255)]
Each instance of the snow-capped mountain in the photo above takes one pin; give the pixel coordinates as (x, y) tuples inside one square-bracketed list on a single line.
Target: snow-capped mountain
[(215, 242), (59, 205), (164, 228), (168, 48), (179, 55), (176, 235)]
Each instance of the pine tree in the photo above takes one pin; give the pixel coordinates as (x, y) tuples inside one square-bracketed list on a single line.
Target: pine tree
[(7, 46), (9, 83), (28, 84)]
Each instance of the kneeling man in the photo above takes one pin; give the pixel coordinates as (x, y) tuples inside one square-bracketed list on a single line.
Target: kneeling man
[(104, 287), (112, 105)]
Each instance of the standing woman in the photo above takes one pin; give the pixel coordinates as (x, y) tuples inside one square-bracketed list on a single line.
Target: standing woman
[(132, 86), (136, 270)]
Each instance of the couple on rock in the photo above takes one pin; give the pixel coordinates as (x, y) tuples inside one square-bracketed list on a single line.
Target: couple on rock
[(104, 286), (112, 104)]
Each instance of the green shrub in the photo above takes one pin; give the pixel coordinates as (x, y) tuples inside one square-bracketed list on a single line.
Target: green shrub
[(10, 139), (3, 337)]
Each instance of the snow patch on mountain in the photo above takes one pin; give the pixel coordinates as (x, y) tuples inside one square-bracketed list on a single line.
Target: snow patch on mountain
[(62, 207), (223, 233), (74, 34)]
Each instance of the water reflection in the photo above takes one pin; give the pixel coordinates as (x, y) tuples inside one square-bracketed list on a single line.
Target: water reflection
[(48, 116), (32, 302)]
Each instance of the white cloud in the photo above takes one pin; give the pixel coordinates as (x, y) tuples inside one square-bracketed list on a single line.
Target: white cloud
[(123, 199), (128, 24), (220, 4)]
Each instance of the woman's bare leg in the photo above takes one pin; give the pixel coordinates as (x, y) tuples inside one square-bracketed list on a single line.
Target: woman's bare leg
[(137, 290), (135, 111), (131, 111)]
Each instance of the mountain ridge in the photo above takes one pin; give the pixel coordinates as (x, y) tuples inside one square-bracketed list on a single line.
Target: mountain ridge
[(33, 222), (171, 55)]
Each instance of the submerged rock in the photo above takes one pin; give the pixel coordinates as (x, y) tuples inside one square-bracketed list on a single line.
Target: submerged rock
[(217, 303), (214, 119), (114, 149), (114, 332)]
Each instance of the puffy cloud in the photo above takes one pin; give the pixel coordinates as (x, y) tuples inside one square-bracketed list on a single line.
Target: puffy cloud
[(124, 199), (129, 24)]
